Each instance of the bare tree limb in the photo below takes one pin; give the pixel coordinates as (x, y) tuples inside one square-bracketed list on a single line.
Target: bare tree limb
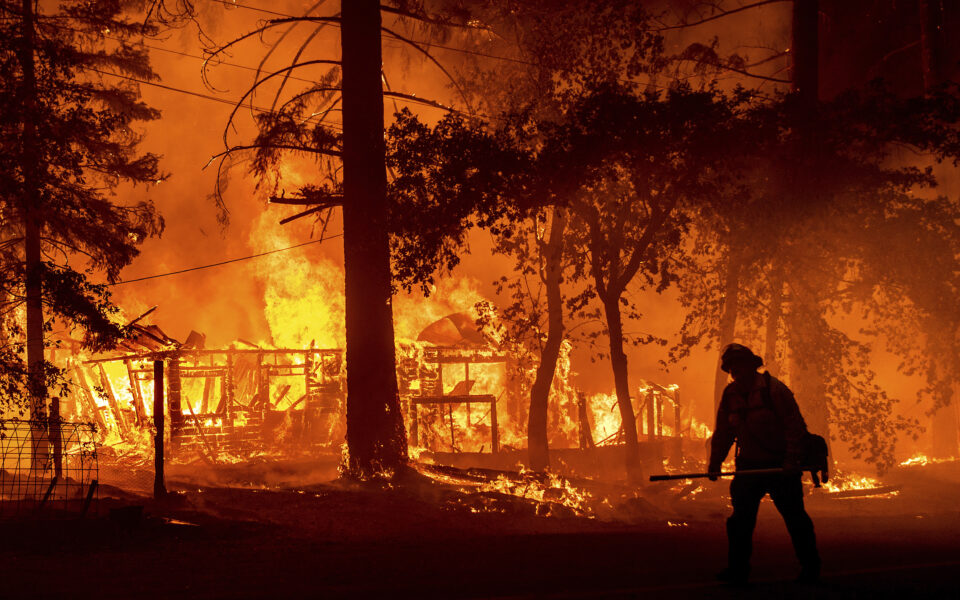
[(269, 25), (300, 51), (305, 201), (431, 20), (419, 100), (256, 84), (307, 213), (722, 14), (463, 94), (290, 147)]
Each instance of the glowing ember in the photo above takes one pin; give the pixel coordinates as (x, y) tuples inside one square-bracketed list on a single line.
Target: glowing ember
[(920, 459), (853, 485), (554, 488)]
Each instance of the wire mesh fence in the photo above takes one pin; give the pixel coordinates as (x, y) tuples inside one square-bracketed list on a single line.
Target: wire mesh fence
[(47, 470)]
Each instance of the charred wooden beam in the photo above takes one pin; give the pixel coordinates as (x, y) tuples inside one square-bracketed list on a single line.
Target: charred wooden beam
[(648, 401), (494, 428), (138, 404), (228, 383), (174, 401), (208, 383), (585, 429), (203, 437), (228, 352), (453, 355), (283, 393)]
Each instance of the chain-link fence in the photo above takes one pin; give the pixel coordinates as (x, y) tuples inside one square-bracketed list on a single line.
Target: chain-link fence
[(47, 470)]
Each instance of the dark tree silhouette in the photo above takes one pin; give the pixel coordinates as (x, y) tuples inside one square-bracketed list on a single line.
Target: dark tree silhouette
[(638, 168), (67, 124), (626, 170), (561, 53), (299, 123), (375, 434), (831, 252)]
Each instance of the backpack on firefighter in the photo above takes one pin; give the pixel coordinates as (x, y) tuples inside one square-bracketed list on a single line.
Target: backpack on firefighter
[(813, 448)]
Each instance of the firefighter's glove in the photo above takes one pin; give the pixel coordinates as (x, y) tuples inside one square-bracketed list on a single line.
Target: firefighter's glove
[(714, 472)]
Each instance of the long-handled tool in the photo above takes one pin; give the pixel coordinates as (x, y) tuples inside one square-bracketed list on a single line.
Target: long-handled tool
[(777, 471)]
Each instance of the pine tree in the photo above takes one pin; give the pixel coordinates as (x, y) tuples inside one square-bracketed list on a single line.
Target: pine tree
[(67, 119)]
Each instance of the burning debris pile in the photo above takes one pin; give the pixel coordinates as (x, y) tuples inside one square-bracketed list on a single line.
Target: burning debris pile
[(223, 403), (461, 394)]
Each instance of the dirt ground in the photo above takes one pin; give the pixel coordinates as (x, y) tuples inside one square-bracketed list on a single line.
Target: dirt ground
[(440, 540)]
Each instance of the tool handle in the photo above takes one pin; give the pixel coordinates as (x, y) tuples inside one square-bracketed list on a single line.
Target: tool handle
[(776, 471)]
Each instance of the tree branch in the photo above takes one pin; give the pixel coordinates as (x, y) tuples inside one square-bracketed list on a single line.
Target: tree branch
[(431, 20), (722, 14), (290, 147), (310, 211), (270, 24), (306, 201), (423, 101), (259, 82), (463, 94)]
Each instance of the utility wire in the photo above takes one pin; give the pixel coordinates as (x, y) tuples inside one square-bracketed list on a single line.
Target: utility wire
[(226, 262), (266, 111), (192, 93), (428, 44)]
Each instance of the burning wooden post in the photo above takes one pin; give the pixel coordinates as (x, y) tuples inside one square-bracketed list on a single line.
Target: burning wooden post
[(56, 440), (174, 401), (648, 401), (227, 391), (137, 393), (208, 383), (494, 428), (263, 385), (658, 403), (159, 487), (585, 430)]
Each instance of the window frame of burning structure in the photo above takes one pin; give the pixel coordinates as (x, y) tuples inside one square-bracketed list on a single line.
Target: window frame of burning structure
[(452, 355), (650, 409)]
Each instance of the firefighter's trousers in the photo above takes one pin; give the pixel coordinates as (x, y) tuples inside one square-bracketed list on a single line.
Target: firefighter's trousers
[(786, 491)]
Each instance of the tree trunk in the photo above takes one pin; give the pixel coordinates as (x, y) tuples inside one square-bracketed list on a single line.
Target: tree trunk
[(944, 423), (537, 444), (32, 255), (618, 361), (804, 325), (376, 440), (805, 50), (774, 314), (944, 430), (728, 321), (931, 43)]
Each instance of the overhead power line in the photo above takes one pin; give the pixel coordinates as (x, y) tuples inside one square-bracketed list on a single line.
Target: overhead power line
[(426, 43), (227, 262), (336, 126)]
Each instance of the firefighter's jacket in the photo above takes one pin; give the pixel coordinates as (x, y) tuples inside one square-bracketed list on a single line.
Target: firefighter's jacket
[(767, 428)]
